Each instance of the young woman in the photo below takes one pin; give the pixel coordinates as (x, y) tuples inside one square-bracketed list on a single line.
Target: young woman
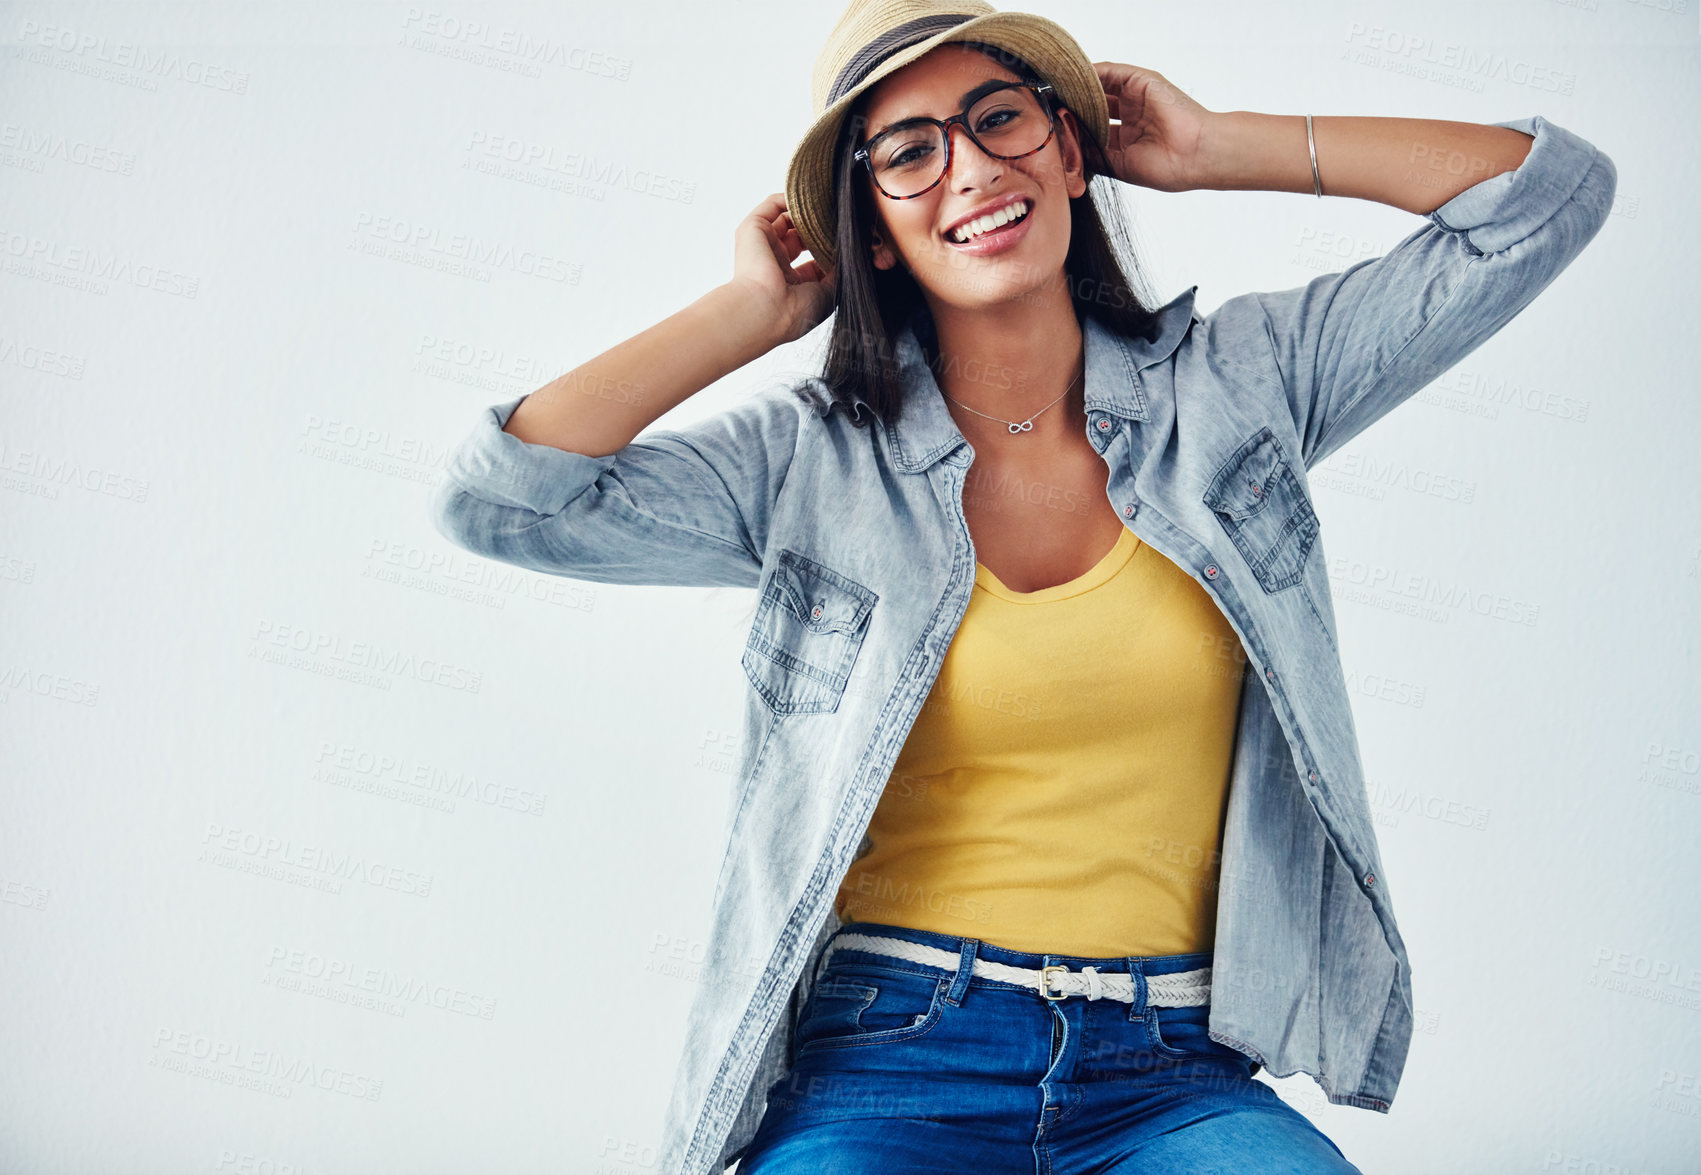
[(1050, 829)]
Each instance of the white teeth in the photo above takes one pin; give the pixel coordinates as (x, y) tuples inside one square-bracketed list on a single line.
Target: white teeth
[(985, 224)]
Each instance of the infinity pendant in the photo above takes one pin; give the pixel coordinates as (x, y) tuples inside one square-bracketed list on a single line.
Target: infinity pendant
[(1025, 426)]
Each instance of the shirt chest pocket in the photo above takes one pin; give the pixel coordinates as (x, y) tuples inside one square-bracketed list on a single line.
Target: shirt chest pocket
[(1261, 506), (810, 623)]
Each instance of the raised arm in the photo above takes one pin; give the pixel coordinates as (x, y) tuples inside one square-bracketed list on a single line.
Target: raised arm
[(1349, 347), (1416, 164), (1508, 205), (561, 481)]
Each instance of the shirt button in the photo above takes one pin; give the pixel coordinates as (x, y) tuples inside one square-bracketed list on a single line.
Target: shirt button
[(1128, 510), (1314, 777), (817, 612), (1369, 879), (1104, 426), (1270, 673), (1211, 571)]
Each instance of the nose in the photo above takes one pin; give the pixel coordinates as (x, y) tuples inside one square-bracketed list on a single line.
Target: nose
[(956, 148)]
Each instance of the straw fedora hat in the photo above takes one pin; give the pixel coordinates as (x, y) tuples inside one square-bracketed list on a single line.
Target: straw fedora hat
[(877, 37)]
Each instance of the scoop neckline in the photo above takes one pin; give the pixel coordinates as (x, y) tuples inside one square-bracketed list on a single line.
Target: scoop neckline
[(1114, 560)]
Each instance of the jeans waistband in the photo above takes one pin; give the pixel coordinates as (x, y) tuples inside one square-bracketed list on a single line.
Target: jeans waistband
[(1145, 964)]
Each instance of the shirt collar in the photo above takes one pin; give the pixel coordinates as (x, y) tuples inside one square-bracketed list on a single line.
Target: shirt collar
[(924, 431)]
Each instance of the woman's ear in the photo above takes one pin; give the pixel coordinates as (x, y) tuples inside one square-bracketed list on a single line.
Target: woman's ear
[(1069, 151), (884, 257)]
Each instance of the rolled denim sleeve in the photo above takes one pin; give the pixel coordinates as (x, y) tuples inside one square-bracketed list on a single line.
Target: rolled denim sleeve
[(685, 507), (1349, 347)]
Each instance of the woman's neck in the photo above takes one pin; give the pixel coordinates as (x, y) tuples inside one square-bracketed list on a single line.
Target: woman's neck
[(1010, 362)]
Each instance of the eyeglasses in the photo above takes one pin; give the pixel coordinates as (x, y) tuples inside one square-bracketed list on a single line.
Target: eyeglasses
[(908, 159)]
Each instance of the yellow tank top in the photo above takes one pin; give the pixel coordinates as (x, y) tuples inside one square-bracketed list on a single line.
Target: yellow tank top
[(1063, 787)]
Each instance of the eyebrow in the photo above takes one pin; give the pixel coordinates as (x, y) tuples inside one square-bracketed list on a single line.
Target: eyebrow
[(963, 103)]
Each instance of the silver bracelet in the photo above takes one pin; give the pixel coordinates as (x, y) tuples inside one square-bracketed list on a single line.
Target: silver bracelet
[(1311, 141)]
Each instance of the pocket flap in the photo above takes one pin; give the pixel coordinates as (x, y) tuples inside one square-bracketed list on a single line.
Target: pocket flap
[(821, 598), (1247, 479)]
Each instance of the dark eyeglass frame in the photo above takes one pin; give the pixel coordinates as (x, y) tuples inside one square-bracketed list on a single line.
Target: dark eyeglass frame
[(1041, 90)]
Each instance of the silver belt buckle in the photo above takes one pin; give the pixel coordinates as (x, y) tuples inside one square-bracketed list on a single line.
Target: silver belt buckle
[(1045, 981)]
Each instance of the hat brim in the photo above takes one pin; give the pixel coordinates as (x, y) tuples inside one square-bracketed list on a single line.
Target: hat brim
[(1042, 43)]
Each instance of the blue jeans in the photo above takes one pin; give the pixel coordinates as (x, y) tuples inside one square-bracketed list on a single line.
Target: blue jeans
[(902, 1067)]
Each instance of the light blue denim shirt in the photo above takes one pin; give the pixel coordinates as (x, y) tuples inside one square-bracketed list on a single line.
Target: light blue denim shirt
[(856, 542)]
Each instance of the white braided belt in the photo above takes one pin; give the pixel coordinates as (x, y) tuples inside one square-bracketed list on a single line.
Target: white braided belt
[(1176, 990)]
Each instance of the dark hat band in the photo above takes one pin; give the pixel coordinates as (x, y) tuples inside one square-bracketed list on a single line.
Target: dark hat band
[(887, 43)]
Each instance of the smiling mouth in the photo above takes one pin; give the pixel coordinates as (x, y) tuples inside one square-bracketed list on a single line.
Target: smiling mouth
[(975, 229)]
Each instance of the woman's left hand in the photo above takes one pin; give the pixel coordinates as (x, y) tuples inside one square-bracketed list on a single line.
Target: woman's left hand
[(1157, 133)]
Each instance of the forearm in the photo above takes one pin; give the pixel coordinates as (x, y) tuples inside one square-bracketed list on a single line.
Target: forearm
[(1417, 164), (601, 406)]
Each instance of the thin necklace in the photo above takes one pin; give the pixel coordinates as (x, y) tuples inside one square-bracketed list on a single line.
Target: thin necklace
[(1023, 425)]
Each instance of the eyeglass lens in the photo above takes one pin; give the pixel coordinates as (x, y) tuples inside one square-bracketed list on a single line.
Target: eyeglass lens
[(908, 158)]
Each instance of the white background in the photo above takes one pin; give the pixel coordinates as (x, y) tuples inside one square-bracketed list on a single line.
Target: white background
[(239, 329)]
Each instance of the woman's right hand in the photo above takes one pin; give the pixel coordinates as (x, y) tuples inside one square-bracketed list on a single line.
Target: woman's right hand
[(795, 299)]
